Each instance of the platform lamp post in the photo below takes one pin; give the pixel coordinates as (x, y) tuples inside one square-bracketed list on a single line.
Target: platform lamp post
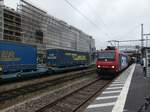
[(146, 40)]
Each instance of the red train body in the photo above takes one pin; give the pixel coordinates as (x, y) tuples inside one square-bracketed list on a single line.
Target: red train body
[(110, 62)]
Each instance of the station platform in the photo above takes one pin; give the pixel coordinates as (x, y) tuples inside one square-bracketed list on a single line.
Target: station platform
[(126, 93)]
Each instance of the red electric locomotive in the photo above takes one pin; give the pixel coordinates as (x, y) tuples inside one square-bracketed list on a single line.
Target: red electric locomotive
[(110, 61)]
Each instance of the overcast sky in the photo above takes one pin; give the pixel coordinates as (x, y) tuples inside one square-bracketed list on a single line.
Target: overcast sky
[(113, 19)]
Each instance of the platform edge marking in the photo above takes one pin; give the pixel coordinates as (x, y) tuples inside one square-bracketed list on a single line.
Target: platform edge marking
[(119, 106), (106, 97), (116, 82), (116, 85), (107, 92), (101, 105), (113, 88)]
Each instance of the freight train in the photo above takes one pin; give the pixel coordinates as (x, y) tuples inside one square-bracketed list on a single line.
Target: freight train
[(110, 62), (20, 60)]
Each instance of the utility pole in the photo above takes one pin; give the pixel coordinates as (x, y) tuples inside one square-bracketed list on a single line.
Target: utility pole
[(142, 39), (146, 40)]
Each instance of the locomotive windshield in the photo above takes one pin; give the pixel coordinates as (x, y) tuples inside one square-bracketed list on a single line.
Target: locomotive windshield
[(106, 55)]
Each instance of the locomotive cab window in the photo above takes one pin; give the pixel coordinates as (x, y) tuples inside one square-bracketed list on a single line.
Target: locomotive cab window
[(106, 55)]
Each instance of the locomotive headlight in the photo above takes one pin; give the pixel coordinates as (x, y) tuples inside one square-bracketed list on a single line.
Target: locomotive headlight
[(98, 66), (112, 66)]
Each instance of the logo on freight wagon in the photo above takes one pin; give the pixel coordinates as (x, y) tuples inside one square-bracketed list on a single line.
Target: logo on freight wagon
[(51, 56), (80, 58), (77, 57), (124, 61), (8, 55)]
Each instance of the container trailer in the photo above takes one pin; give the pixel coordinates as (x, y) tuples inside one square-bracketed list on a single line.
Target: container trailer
[(18, 60), (15, 57), (64, 59)]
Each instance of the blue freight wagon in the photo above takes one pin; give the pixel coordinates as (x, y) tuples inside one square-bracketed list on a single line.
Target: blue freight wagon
[(59, 58), (17, 57)]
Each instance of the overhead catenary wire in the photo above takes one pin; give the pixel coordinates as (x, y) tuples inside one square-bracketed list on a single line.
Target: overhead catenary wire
[(106, 25), (98, 16), (85, 17), (132, 30)]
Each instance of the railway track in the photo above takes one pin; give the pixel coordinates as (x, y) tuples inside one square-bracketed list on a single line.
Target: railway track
[(16, 85), (16, 92), (75, 100)]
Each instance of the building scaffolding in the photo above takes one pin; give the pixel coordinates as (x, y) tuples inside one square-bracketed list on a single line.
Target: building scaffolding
[(33, 21), (12, 25)]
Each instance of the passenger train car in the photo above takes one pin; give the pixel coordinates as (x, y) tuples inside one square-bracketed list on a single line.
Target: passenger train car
[(110, 62)]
